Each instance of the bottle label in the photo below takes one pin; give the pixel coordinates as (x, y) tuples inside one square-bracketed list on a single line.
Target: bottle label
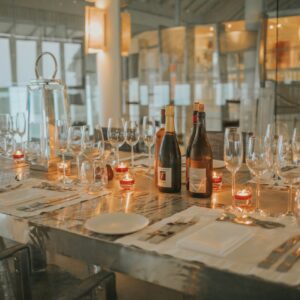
[(164, 177), (197, 180)]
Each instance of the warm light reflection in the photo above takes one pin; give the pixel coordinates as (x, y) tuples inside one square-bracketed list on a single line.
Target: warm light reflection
[(125, 33), (94, 29)]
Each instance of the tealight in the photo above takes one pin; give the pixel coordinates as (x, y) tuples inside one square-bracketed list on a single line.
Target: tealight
[(217, 181), (243, 197), (121, 168), (18, 155), (127, 182)]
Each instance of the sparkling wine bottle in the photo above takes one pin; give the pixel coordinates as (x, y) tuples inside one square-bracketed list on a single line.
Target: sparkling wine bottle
[(189, 146), (159, 137), (169, 160), (201, 161)]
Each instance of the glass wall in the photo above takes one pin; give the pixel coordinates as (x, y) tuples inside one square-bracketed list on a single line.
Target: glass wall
[(241, 58)]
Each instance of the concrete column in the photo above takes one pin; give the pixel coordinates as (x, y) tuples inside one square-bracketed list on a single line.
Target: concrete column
[(109, 64)]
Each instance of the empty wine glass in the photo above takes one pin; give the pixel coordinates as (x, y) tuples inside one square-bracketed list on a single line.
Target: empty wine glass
[(116, 134), (21, 126), (75, 134), (233, 154), (132, 136), (259, 163), (288, 168), (61, 142), (99, 141), (5, 124), (149, 134)]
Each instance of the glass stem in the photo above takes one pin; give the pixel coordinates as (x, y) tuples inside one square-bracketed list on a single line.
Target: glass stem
[(132, 157), (117, 152), (290, 210), (78, 166), (257, 202), (149, 152), (64, 168), (233, 184)]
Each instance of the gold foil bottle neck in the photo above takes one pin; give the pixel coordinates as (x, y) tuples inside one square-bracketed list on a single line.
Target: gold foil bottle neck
[(195, 106), (200, 107), (169, 110)]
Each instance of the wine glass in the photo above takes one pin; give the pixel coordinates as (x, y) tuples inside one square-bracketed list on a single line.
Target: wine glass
[(61, 142), (288, 167), (75, 134), (259, 163), (116, 134), (5, 124), (149, 135), (21, 126), (233, 153), (132, 136), (99, 141)]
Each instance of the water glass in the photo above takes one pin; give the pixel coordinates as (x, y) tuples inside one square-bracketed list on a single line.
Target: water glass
[(21, 124), (132, 136), (233, 153), (100, 173), (149, 134)]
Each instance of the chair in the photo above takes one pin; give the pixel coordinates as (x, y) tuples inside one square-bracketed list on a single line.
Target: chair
[(18, 282)]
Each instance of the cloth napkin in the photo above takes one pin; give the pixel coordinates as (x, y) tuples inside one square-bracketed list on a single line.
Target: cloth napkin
[(217, 238)]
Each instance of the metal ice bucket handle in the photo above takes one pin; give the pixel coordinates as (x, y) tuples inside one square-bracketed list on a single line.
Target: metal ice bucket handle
[(37, 74)]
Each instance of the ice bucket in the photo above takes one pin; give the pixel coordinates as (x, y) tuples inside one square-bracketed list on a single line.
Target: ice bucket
[(47, 103)]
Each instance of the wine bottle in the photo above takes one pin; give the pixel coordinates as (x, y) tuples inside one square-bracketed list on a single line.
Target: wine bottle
[(169, 159), (159, 136), (189, 146), (201, 161)]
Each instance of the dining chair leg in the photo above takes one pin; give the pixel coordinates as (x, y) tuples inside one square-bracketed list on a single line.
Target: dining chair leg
[(110, 287)]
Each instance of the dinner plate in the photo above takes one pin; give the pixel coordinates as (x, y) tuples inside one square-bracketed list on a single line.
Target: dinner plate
[(217, 164), (116, 223)]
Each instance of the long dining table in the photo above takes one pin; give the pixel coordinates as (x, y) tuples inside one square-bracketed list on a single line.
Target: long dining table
[(62, 231)]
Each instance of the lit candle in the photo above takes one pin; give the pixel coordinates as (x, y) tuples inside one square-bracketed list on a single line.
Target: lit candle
[(217, 181), (121, 168), (18, 155), (127, 182), (243, 197)]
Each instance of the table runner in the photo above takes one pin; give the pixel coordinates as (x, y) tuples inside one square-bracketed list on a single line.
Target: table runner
[(11, 201), (243, 260)]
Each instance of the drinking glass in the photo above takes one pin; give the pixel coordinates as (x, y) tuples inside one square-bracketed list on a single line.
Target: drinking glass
[(259, 163), (5, 124), (116, 134), (288, 167), (99, 141), (21, 126), (132, 136), (61, 142), (75, 134), (233, 153), (149, 135)]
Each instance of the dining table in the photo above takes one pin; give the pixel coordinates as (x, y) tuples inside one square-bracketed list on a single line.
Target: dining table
[(62, 231)]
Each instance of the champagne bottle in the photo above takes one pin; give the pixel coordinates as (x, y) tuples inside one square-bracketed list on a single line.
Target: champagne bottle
[(189, 146), (159, 136), (201, 161), (169, 160)]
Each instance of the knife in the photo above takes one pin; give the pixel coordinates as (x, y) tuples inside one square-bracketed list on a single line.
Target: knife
[(289, 261), (278, 252)]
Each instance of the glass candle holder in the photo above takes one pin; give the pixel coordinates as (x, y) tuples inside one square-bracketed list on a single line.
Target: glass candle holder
[(127, 181), (217, 180), (18, 155), (243, 197), (121, 168)]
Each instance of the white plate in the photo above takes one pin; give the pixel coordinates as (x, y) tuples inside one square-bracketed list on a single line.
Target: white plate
[(116, 223), (217, 164)]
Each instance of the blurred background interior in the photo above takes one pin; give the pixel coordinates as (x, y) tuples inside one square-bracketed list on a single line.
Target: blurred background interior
[(240, 57)]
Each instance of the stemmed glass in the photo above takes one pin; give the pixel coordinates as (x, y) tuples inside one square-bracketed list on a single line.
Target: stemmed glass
[(75, 134), (132, 136), (288, 167), (61, 142), (21, 126), (99, 140), (116, 134), (233, 154), (259, 162), (149, 135), (5, 124)]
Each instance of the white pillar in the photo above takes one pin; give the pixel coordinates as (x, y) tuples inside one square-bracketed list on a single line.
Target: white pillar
[(109, 64)]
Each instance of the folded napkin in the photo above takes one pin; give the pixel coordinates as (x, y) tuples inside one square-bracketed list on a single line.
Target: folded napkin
[(217, 239)]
